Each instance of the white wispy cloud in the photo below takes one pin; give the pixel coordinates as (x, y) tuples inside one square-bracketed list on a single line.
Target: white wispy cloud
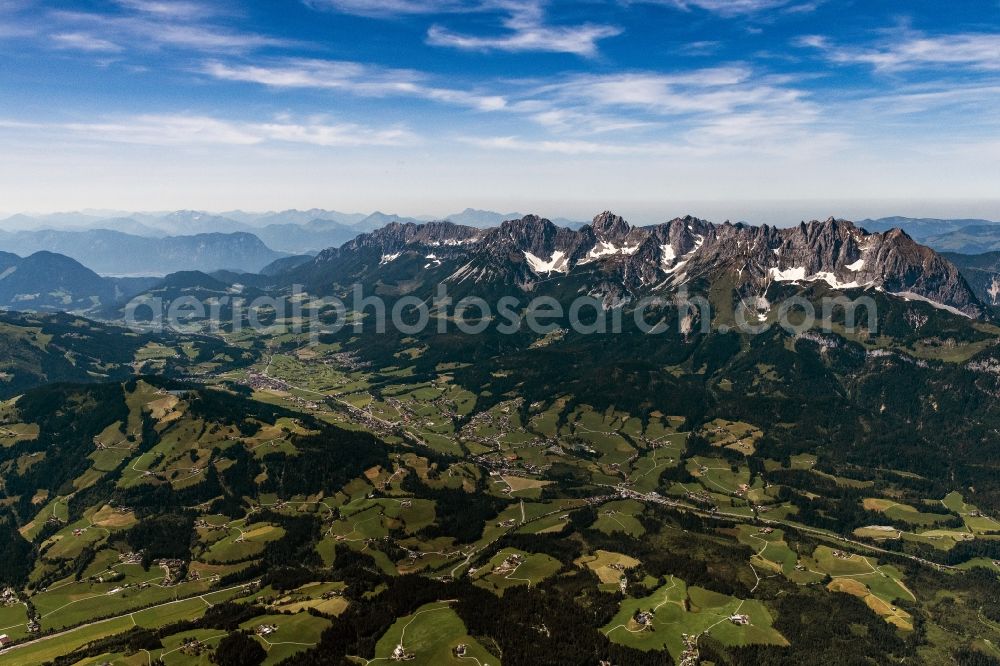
[(566, 120), (733, 8), (927, 98), (570, 146), (14, 20), (172, 9), (690, 107), (736, 135), (357, 78), (767, 132), (714, 91), (908, 50), (704, 112), (81, 41), (152, 24), (387, 8), (524, 21), (194, 130), (527, 30)]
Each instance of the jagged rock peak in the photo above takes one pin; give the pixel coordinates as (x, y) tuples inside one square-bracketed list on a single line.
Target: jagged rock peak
[(897, 233), (530, 220), (620, 259), (529, 226), (609, 225), (830, 223), (411, 232)]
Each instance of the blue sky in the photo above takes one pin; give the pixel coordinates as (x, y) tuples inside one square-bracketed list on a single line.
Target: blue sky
[(567, 107)]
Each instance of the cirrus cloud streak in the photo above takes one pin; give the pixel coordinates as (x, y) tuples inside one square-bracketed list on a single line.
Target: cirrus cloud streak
[(195, 130)]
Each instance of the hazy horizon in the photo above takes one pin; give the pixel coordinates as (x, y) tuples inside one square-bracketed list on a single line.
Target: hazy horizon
[(775, 213), (420, 106)]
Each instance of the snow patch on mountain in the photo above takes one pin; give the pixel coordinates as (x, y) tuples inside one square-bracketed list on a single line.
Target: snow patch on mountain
[(605, 249), (556, 264), (388, 258), (667, 255), (453, 242), (856, 266), (832, 280), (911, 296), (798, 274), (789, 274)]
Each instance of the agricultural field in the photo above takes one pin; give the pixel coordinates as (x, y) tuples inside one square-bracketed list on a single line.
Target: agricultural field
[(772, 555), (511, 567), (160, 615), (326, 598), (304, 491), (283, 635), (620, 517), (879, 586), (735, 435), (904, 512), (610, 568), (662, 619), (975, 520), (13, 433), (429, 637)]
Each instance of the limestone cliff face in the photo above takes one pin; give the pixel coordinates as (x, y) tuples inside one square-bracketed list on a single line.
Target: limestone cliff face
[(624, 261)]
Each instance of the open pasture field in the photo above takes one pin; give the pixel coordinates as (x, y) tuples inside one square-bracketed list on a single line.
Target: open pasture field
[(72, 603), (609, 567), (803, 461), (242, 542), (975, 520), (771, 552), (175, 653), (48, 648), (548, 525), (430, 636), (880, 586), (620, 516), (883, 608), (717, 475), (373, 518), (523, 486), (878, 532), (13, 620), (644, 475), (324, 597), (657, 622), (904, 512), (17, 432), (511, 567), (55, 509), (736, 435), (944, 539), (293, 634)]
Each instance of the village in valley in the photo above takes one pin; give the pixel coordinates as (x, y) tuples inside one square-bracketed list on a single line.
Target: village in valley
[(465, 491)]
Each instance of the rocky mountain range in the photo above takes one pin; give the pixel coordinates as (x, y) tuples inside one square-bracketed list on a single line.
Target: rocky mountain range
[(608, 258), (116, 253), (292, 231), (616, 261)]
